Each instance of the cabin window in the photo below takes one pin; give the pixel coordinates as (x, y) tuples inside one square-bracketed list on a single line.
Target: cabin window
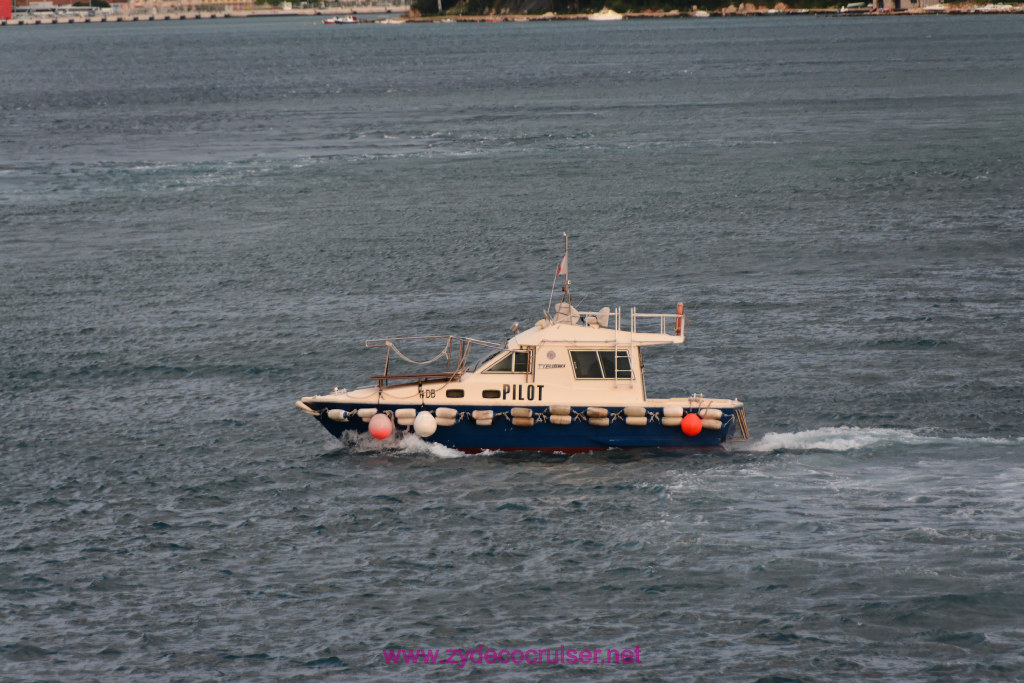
[(601, 364), (516, 361), (454, 393), (492, 393)]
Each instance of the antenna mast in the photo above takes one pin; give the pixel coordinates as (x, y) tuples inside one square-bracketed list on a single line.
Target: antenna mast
[(563, 269)]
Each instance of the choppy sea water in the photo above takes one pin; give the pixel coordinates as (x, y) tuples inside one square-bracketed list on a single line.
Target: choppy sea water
[(201, 222)]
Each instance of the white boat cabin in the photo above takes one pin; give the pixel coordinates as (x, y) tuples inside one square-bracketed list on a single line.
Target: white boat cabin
[(571, 358)]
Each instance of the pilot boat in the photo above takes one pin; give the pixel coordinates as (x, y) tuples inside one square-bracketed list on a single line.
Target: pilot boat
[(573, 382)]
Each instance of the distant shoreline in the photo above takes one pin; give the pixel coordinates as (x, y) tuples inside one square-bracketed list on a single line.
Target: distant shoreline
[(400, 14), (728, 12), (49, 18)]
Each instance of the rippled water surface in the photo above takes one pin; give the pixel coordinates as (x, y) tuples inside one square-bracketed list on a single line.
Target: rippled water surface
[(200, 222)]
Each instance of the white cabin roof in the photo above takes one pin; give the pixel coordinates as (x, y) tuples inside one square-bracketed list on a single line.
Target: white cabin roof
[(561, 330)]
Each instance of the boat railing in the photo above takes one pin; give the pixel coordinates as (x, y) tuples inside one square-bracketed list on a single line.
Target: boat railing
[(603, 318), (671, 324), (455, 353), (665, 323)]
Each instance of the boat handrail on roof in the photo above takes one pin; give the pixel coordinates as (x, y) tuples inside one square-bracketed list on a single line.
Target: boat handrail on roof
[(612, 319), (665, 320)]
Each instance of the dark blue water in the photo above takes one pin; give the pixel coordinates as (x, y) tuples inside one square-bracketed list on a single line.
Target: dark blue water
[(200, 222)]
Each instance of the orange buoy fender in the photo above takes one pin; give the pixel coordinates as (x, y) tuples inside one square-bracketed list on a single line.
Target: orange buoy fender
[(679, 318), (380, 426), (691, 424)]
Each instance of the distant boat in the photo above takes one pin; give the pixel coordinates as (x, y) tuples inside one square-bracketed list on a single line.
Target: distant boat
[(605, 15), (341, 20)]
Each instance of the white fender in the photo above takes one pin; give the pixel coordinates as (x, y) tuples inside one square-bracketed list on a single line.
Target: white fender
[(424, 425), (405, 416)]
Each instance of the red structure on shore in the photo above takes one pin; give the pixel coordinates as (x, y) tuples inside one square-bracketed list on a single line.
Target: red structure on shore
[(6, 9)]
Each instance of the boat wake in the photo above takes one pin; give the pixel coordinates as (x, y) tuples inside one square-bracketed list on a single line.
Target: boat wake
[(841, 439), (825, 439), (411, 444), (398, 444)]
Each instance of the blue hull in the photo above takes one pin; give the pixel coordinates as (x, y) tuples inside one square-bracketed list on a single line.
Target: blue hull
[(465, 435)]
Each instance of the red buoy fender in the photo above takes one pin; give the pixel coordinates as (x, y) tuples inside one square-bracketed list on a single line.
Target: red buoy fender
[(380, 426), (691, 424)]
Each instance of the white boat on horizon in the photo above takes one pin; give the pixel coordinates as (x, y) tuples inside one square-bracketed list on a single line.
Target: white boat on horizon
[(605, 14)]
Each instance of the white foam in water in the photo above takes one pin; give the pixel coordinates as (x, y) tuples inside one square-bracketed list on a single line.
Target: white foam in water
[(833, 439), (837, 439), (414, 445), (855, 438), (399, 443)]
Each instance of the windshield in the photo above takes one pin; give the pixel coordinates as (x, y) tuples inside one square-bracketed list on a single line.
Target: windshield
[(485, 360)]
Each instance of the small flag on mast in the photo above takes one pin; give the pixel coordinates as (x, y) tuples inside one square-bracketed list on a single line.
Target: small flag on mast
[(563, 267)]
